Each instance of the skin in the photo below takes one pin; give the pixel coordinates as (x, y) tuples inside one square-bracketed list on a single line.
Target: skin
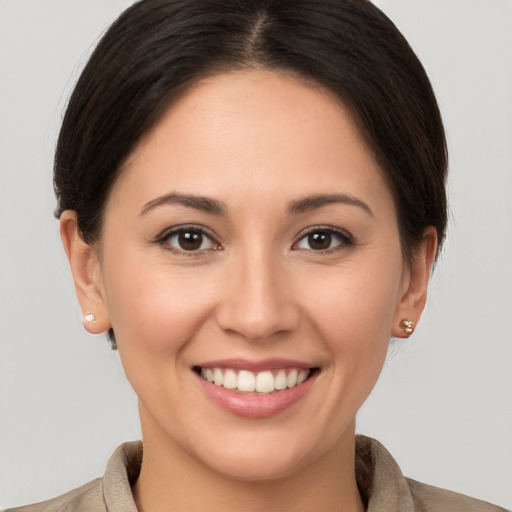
[(257, 141)]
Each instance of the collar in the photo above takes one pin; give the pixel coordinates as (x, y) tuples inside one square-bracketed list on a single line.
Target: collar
[(379, 478)]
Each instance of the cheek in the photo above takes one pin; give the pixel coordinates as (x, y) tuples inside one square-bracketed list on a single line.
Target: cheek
[(157, 310), (356, 302), (353, 310), (155, 316)]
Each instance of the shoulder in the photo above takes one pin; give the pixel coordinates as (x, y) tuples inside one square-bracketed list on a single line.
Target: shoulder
[(385, 489), (87, 498), (428, 498), (111, 492)]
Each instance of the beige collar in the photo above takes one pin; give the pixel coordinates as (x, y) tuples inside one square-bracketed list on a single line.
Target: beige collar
[(379, 478)]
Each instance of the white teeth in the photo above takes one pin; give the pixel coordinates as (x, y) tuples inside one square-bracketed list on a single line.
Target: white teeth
[(230, 379), (291, 380), (218, 378), (246, 381), (262, 382), (303, 375), (281, 382), (265, 382)]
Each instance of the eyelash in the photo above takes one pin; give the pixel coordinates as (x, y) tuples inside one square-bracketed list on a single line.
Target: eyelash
[(345, 239), (163, 239)]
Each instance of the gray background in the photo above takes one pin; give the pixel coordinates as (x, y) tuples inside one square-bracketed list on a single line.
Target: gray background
[(443, 403)]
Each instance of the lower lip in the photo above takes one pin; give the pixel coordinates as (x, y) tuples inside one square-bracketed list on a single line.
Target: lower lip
[(256, 406)]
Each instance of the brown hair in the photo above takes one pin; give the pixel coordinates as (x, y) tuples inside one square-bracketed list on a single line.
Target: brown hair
[(156, 48)]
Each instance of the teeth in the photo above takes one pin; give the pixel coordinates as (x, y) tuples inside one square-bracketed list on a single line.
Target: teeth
[(281, 382), (265, 382), (262, 382), (230, 379), (246, 381), (218, 378), (291, 380), (303, 375)]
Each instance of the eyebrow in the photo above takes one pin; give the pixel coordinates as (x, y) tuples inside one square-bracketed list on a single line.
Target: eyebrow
[(204, 204), (313, 202), (214, 207)]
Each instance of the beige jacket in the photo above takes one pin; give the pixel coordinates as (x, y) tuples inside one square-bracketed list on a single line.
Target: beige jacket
[(379, 478)]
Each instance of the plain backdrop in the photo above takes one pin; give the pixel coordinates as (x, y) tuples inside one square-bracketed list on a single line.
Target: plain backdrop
[(443, 405)]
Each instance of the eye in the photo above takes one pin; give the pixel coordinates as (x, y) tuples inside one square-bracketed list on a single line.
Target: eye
[(323, 239), (188, 240)]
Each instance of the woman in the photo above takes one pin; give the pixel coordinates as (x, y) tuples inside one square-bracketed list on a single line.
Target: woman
[(251, 198)]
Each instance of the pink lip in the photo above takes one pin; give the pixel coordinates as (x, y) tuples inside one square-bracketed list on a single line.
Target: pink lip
[(255, 406), (256, 366)]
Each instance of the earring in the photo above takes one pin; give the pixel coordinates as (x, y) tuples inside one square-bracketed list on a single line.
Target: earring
[(90, 317), (407, 326)]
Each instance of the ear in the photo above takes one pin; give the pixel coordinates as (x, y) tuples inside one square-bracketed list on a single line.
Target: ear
[(85, 268), (416, 279)]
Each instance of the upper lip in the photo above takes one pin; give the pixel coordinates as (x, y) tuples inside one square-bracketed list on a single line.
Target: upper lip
[(254, 366)]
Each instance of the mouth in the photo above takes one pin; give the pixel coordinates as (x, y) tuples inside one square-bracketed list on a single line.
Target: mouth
[(264, 382)]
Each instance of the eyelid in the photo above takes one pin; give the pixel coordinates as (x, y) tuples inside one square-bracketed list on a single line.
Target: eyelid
[(347, 238), (164, 235)]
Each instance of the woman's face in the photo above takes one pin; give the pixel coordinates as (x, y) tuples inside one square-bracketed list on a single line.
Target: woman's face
[(251, 238)]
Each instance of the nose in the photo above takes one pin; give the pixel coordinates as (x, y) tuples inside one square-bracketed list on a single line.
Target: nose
[(257, 302)]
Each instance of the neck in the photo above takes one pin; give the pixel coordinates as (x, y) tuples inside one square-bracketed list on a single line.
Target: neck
[(171, 479)]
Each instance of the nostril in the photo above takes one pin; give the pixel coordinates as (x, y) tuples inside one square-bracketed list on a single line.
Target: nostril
[(257, 323)]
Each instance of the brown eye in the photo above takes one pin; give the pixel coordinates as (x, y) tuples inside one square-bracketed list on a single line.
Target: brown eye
[(319, 241), (189, 240), (324, 240)]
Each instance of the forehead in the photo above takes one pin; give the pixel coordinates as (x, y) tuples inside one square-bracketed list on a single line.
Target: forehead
[(258, 132)]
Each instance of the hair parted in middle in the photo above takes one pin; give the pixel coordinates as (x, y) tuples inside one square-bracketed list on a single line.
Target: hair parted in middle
[(156, 49)]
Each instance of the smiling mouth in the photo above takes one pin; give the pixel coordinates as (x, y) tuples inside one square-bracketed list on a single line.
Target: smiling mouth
[(259, 383)]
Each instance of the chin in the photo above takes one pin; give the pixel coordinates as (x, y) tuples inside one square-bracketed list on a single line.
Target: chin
[(264, 458), (258, 468)]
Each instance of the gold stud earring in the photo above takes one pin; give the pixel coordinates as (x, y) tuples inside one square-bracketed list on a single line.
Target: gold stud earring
[(90, 317), (407, 326)]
